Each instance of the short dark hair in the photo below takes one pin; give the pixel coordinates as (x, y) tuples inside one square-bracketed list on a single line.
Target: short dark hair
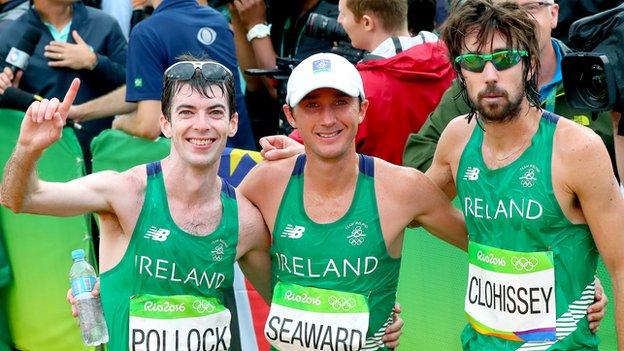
[(198, 83), (487, 17), (391, 13)]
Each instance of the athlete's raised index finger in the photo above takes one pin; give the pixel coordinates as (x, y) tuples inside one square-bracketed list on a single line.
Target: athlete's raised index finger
[(70, 96)]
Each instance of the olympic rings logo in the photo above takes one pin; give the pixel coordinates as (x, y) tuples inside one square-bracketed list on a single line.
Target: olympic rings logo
[(341, 303), (528, 179), (202, 306), (357, 236), (524, 264), (217, 253)]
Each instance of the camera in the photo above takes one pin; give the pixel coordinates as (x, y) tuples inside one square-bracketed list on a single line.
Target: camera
[(324, 27), (594, 78)]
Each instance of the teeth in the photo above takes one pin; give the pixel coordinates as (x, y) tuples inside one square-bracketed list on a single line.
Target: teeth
[(200, 142), (328, 135)]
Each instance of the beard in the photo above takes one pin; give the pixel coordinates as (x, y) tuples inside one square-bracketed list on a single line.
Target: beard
[(506, 109)]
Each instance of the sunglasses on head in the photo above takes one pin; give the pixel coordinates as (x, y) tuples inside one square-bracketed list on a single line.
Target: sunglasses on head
[(185, 70), (502, 60)]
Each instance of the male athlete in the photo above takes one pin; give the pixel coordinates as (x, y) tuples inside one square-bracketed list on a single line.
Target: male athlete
[(537, 191), (337, 218), (170, 230)]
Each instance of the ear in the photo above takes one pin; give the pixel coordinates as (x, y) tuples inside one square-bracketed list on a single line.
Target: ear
[(368, 23), (165, 126), (554, 15), (363, 109), (233, 124), (289, 116)]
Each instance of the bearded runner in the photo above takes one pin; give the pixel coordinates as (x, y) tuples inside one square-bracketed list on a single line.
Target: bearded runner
[(334, 283), (166, 292), (527, 287)]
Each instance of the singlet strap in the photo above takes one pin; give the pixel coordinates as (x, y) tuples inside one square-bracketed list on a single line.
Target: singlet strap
[(299, 165), (367, 165), (550, 117), (227, 189), (153, 168)]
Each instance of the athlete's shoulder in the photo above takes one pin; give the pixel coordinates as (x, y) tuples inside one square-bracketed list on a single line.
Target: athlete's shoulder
[(460, 126), (267, 179), (574, 142), (398, 180)]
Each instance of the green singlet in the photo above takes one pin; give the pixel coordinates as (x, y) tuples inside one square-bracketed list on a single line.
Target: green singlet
[(334, 284), (531, 271), (166, 292)]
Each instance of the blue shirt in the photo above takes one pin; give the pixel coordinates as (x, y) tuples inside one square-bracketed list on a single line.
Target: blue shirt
[(550, 89), (179, 27)]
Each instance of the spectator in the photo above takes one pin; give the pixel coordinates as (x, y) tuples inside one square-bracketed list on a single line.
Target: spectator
[(420, 147), (154, 45), (76, 41), (414, 69), (261, 36)]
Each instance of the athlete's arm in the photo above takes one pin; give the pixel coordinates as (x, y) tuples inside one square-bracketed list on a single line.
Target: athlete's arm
[(437, 215), (22, 191), (589, 175), (277, 147), (449, 147), (253, 248)]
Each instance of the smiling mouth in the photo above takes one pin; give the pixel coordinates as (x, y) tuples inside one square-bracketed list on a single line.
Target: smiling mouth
[(201, 142), (329, 135)]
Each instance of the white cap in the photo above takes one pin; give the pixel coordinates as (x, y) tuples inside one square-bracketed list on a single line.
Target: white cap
[(323, 70)]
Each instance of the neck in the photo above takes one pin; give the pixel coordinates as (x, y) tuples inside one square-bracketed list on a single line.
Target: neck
[(156, 3), (548, 65), (193, 184), (329, 177), (509, 139), (55, 13)]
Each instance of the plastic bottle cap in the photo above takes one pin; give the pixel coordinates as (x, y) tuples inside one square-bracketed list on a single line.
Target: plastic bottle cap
[(78, 254)]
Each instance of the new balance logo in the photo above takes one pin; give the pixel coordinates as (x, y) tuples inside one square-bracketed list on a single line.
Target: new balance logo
[(158, 234), (472, 173), (293, 232)]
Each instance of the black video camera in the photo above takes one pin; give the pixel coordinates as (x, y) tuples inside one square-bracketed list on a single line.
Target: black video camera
[(323, 27), (594, 78)]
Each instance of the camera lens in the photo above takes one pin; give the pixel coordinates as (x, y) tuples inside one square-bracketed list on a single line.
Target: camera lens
[(324, 27), (592, 85)]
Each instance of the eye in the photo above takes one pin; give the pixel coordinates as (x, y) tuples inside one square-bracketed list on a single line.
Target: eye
[(217, 113), (311, 105), (185, 113), (341, 102)]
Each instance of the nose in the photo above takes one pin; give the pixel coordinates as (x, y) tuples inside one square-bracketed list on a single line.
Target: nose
[(490, 73), (201, 122), (327, 117)]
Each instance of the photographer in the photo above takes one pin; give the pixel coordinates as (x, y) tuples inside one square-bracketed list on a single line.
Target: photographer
[(415, 69), (262, 32), (420, 147)]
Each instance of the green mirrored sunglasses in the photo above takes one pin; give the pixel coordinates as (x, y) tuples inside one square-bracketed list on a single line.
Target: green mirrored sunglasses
[(502, 60)]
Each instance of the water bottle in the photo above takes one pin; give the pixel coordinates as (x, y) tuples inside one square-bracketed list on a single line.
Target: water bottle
[(82, 279)]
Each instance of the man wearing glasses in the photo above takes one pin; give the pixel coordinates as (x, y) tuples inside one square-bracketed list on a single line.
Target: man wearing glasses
[(420, 147), (538, 192), (170, 230)]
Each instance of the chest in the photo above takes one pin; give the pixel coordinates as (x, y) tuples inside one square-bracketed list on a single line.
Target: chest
[(196, 219)]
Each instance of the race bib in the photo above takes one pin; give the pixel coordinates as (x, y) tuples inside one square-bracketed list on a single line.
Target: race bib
[(304, 318), (511, 295), (179, 322)]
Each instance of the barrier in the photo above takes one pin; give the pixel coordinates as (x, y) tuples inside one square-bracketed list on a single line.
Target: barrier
[(39, 251)]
